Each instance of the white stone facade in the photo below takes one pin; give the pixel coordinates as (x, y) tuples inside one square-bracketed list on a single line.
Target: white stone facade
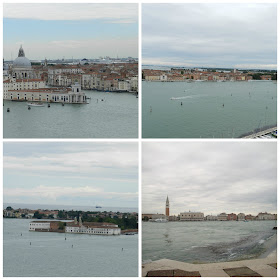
[(222, 217), (39, 225), (22, 84), (53, 95), (191, 216), (94, 230)]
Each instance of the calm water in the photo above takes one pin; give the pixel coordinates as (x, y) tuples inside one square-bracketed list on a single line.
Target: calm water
[(204, 241), (116, 117), (247, 106), (50, 255)]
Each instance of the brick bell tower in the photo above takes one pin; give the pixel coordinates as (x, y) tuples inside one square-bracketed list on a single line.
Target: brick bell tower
[(167, 207)]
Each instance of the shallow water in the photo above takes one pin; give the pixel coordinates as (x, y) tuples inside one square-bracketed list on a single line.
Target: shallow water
[(51, 255), (115, 117), (205, 241), (208, 110)]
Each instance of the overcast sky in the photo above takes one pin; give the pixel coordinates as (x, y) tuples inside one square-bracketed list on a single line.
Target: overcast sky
[(209, 177), (70, 30), (211, 35), (86, 174)]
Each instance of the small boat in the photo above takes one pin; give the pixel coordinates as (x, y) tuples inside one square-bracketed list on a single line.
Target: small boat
[(160, 220), (36, 104), (98, 207)]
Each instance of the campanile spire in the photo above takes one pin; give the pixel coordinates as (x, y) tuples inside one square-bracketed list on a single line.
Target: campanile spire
[(167, 207)]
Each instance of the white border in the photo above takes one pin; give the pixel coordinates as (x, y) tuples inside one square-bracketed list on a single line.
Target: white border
[(139, 139)]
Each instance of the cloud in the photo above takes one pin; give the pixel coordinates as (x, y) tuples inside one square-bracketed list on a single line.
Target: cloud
[(71, 173), (119, 13), (210, 35), (209, 177), (84, 161), (56, 192)]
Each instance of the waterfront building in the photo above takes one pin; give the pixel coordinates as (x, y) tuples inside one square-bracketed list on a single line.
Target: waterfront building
[(14, 84), (232, 217), (250, 217), (40, 226), (266, 77), (92, 228), (51, 226), (222, 217), (265, 216), (241, 217), (167, 207), (211, 218), (196, 75), (173, 218), (146, 217), (191, 216), (72, 95)]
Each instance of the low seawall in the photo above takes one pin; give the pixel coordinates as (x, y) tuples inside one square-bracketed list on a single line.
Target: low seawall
[(263, 267)]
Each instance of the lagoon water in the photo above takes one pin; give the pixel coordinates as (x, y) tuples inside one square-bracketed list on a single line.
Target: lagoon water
[(205, 241), (209, 109), (115, 117), (51, 255)]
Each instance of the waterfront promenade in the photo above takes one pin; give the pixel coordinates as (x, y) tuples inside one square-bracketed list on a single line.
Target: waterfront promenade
[(264, 267), (262, 133)]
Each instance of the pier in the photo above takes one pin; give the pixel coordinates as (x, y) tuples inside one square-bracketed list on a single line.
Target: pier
[(261, 133)]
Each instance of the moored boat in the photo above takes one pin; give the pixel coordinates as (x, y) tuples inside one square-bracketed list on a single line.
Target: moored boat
[(35, 104)]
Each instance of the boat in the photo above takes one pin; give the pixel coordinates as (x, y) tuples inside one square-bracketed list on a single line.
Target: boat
[(36, 104), (98, 207), (161, 220)]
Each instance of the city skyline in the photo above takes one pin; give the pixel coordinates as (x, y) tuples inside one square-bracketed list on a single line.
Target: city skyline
[(225, 177), (83, 30), (202, 35), (103, 174)]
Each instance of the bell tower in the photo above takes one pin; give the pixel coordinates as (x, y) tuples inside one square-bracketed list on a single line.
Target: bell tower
[(167, 207)]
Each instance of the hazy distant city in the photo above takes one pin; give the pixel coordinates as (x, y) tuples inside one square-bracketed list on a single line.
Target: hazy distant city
[(199, 216)]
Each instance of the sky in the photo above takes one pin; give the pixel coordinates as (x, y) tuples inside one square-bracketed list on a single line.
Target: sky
[(78, 173), (70, 30), (210, 35), (209, 177)]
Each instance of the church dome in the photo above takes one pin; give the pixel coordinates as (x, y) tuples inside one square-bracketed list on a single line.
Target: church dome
[(21, 61)]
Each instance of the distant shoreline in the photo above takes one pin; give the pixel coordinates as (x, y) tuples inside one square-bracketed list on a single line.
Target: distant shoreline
[(69, 207)]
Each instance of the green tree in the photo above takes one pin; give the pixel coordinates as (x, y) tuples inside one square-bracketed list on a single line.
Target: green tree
[(61, 225), (62, 215), (257, 76), (9, 208), (37, 215)]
